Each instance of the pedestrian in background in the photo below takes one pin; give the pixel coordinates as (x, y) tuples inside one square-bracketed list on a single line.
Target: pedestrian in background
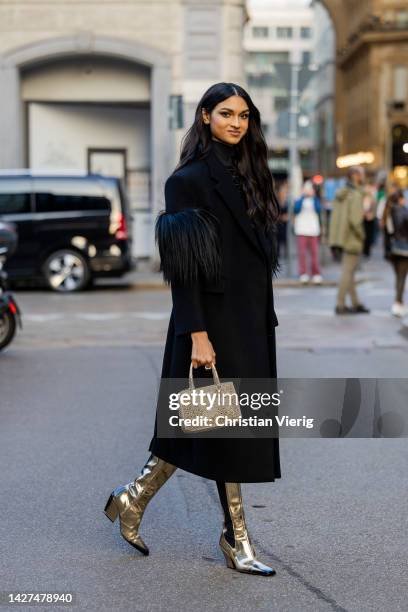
[(384, 192), (346, 234), (282, 234), (307, 230), (370, 218), (395, 224), (217, 247)]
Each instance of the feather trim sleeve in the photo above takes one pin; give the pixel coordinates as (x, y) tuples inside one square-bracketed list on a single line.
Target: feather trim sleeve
[(189, 247)]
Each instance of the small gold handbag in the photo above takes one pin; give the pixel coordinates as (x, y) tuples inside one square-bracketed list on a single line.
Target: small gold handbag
[(204, 404)]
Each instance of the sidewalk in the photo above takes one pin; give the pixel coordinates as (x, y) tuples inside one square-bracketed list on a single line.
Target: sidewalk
[(375, 272), (370, 270)]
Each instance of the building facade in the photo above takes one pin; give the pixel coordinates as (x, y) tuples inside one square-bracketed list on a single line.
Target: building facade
[(323, 86), (371, 107), (111, 86), (279, 38)]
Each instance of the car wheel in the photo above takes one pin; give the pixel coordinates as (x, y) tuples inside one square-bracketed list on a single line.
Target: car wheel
[(66, 271), (7, 328)]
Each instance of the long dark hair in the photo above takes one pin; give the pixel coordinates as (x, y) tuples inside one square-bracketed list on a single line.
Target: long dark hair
[(251, 153), (392, 200)]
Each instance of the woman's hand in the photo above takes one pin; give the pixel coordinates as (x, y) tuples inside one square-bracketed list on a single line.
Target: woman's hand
[(202, 352)]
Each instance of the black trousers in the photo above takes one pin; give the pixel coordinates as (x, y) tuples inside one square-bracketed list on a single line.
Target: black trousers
[(369, 230)]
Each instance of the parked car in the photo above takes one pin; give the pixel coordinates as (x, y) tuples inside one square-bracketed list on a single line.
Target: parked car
[(71, 228)]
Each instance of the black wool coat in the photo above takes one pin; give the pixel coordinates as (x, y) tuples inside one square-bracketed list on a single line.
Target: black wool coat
[(234, 305)]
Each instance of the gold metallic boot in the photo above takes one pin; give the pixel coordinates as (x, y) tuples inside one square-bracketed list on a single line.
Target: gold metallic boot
[(129, 501), (241, 556)]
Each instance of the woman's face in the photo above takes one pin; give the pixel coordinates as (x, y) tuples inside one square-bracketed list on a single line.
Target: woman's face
[(228, 120)]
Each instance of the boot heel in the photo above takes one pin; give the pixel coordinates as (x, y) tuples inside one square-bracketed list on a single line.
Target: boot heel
[(111, 510), (228, 560)]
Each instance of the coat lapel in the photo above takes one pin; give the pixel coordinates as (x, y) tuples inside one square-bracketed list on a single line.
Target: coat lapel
[(224, 185)]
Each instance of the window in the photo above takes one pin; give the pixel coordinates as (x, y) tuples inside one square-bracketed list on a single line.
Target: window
[(280, 57), (50, 202), (261, 59), (260, 80), (280, 103), (306, 159), (305, 32), (12, 203), (284, 32), (265, 79), (260, 32), (306, 58), (278, 160), (264, 60)]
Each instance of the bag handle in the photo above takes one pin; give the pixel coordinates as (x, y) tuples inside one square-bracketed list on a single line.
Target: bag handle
[(215, 377)]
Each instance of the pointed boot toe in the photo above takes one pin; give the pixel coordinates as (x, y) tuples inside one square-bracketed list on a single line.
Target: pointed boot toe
[(241, 558), (129, 518), (238, 550), (128, 502)]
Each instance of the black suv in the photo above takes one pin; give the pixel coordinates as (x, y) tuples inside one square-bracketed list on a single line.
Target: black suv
[(70, 228)]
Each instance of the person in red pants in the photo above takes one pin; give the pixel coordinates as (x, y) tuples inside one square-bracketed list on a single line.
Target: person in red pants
[(307, 229)]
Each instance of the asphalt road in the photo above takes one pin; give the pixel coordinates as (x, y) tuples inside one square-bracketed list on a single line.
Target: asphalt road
[(77, 391)]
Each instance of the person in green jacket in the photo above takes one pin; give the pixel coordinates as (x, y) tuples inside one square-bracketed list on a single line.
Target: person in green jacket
[(346, 234)]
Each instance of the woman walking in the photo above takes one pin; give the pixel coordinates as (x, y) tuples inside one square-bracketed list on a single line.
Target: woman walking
[(218, 251), (307, 229), (370, 218), (395, 224), (282, 226)]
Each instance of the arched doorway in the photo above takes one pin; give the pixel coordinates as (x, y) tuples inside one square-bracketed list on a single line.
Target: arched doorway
[(56, 63)]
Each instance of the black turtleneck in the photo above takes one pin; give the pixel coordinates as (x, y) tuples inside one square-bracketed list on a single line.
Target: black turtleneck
[(226, 153)]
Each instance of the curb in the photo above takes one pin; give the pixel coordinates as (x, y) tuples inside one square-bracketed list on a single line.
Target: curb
[(284, 283)]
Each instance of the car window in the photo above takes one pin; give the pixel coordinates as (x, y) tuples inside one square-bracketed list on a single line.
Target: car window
[(52, 202), (12, 203)]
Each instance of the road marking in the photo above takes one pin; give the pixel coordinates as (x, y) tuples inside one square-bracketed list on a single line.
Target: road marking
[(43, 318), (153, 316), (98, 316), (162, 316)]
